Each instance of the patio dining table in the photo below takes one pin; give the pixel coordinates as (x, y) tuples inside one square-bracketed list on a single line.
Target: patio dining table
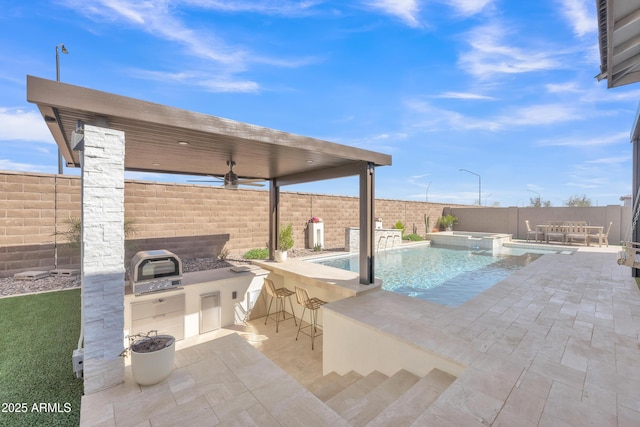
[(593, 231)]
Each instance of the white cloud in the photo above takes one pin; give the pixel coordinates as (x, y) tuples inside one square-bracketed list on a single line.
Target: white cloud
[(585, 182), (161, 20), (21, 125), (568, 87), (267, 7), (541, 115), (156, 18), (464, 95), (406, 10), (438, 119), (577, 13), (9, 165), (221, 83), (582, 142), (468, 7), (610, 160), (489, 55)]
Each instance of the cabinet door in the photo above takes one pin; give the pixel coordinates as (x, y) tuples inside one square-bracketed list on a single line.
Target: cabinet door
[(157, 306), (210, 315), (166, 315)]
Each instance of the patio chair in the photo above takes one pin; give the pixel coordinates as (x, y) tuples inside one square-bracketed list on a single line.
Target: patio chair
[(605, 236), (313, 305), (534, 233), (279, 294)]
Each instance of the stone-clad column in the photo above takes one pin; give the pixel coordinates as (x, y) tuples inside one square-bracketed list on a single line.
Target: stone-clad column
[(102, 257)]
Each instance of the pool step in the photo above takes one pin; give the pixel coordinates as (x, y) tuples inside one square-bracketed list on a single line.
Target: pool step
[(377, 400)]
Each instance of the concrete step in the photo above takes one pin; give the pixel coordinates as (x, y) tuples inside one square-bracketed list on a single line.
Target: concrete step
[(408, 407), (370, 405), (343, 401), (329, 385)]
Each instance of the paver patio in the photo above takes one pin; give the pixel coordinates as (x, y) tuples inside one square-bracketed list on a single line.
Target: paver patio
[(555, 344)]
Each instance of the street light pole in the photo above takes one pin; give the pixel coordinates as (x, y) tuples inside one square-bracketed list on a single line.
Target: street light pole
[(65, 51), (479, 185), (426, 196)]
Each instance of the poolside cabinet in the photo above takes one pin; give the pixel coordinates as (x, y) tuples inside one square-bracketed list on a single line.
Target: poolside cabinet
[(210, 313), (164, 314)]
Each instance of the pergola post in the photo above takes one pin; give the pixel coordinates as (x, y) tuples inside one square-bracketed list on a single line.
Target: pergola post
[(274, 217), (367, 209), (102, 256)]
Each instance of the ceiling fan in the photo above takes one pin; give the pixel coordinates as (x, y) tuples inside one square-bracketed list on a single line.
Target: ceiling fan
[(231, 181)]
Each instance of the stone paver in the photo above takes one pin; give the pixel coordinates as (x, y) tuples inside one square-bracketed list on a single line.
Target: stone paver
[(556, 343)]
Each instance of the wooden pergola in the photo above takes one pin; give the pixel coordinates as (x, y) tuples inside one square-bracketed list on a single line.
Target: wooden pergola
[(165, 139)]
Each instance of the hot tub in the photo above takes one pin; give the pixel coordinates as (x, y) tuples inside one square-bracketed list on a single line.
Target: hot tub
[(469, 239)]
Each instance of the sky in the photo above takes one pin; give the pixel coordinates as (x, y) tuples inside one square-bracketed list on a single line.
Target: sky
[(504, 89)]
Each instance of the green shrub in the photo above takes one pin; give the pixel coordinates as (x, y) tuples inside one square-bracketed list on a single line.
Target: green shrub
[(412, 237), (286, 237), (257, 253), (448, 221), (399, 226)]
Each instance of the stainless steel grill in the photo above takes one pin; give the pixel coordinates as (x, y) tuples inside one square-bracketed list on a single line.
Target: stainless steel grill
[(153, 271)]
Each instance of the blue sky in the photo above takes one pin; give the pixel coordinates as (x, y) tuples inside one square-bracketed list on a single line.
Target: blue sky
[(504, 89)]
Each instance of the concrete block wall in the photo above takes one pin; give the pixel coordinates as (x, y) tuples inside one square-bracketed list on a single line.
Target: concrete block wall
[(29, 212), (198, 221), (512, 220)]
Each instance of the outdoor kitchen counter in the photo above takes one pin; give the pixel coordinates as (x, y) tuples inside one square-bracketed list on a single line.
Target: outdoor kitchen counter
[(205, 301), (196, 277), (342, 283)]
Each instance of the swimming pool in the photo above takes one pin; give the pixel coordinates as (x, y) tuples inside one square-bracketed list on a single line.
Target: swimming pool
[(446, 275)]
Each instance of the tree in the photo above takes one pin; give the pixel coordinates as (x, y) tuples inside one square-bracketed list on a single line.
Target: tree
[(538, 203), (578, 201)]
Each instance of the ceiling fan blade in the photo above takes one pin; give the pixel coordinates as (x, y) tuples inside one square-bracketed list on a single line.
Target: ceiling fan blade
[(213, 179), (252, 184)]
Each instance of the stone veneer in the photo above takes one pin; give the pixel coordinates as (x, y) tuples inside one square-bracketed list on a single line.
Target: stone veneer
[(103, 257), (384, 239)]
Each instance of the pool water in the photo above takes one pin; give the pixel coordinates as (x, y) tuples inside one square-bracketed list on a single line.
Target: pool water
[(446, 275)]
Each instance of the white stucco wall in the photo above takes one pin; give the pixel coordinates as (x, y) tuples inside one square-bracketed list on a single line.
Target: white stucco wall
[(349, 345)]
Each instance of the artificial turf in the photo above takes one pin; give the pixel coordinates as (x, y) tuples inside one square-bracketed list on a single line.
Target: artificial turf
[(38, 334)]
